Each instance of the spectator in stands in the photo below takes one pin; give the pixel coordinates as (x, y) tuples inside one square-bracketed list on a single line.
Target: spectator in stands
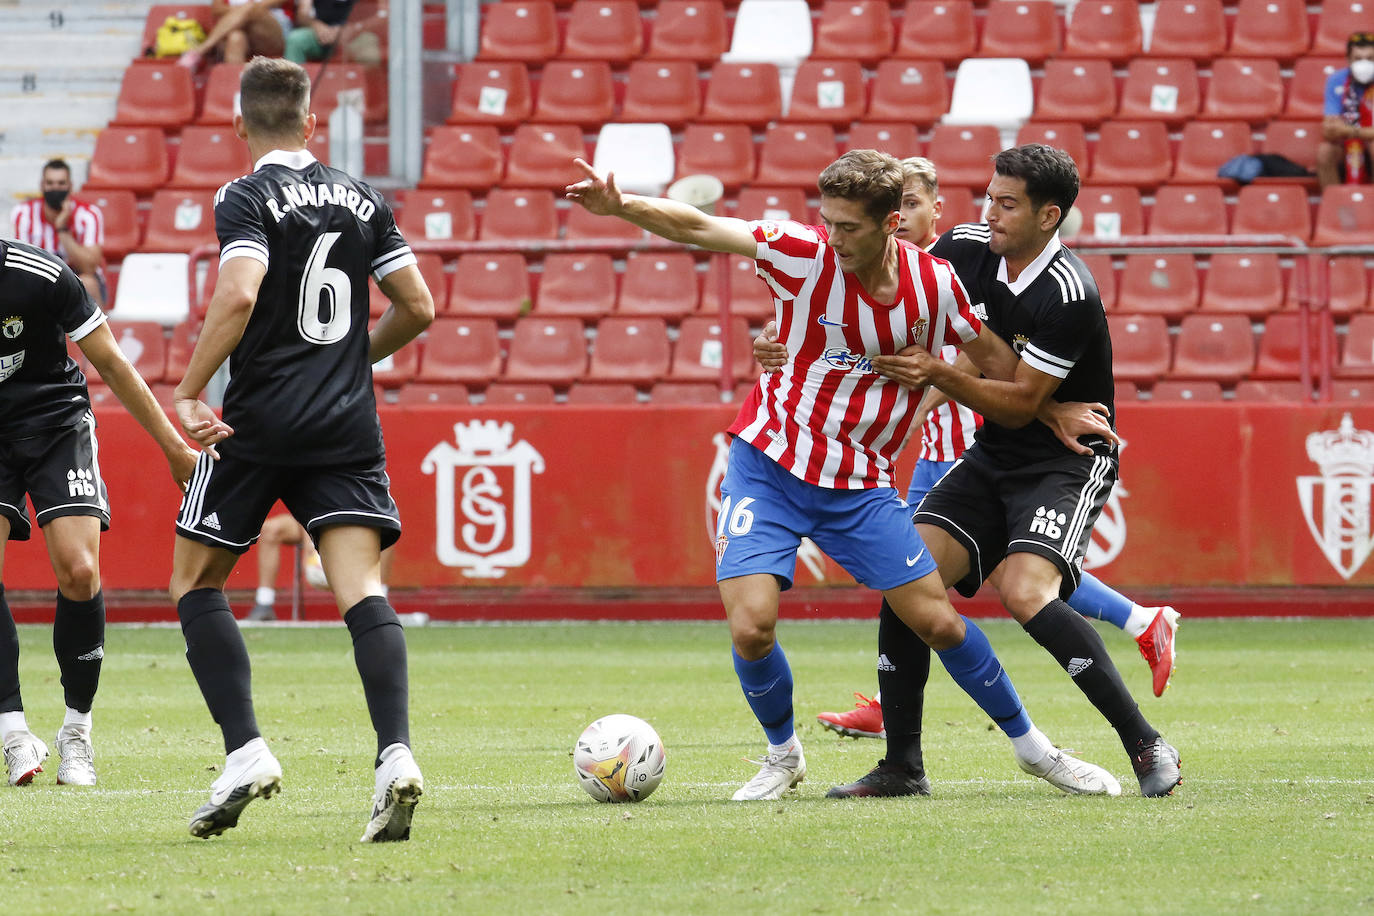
[(318, 24), (1348, 118), (69, 228), (284, 531), (245, 28)]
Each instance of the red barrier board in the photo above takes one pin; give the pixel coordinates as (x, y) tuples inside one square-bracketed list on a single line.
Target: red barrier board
[(1210, 495)]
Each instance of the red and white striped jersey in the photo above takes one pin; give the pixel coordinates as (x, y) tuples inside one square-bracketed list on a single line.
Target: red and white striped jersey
[(950, 427), (828, 417), (29, 225)]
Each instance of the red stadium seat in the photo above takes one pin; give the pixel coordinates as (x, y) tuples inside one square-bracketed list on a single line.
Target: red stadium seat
[(523, 30), (1140, 347), (1026, 29), (490, 286), (583, 224), (463, 156), (749, 295), (1111, 211), (743, 93), (209, 157), (1357, 355), (829, 91), (1185, 210), (492, 92), (1244, 90), (514, 214), (602, 393), (937, 30), (1202, 390), (180, 347), (1270, 28), (1104, 275), (609, 30), (909, 91), (548, 350), (854, 30), (700, 352), (659, 283), (439, 394), (1347, 286), (1279, 208), (431, 268), (1160, 90), (1268, 391), (961, 205), (576, 92), (181, 220), (1307, 88), (773, 203), (900, 140), (396, 369), (666, 91), (723, 150), (1248, 284), (668, 393), (157, 15), (1335, 24), (119, 213), (464, 350), (1158, 284), (1066, 135), (795, 154), (1125, 392), (1206, 146), (516, 393), (1218, 347), (437, 215), (1295, 140), (1104, 28), (1132, 152), (1345, 216), (1280, 347), (221, 88), (964, 153), (630, 349), (128, 159), (576, 284), (155, 95), (329, 82), (693, 30), (541, 156), (1194, 29), (144, 343), (1076, 90)]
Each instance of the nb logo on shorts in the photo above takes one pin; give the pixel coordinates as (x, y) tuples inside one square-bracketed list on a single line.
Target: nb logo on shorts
[(79, 482), (1047, 522)]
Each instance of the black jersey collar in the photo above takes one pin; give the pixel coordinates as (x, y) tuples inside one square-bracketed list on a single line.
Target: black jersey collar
[(1033, 269), (293, 159)]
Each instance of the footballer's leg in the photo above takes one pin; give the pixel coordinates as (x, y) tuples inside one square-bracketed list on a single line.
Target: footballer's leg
[(24, 752), (78, 638), (1153, 628)]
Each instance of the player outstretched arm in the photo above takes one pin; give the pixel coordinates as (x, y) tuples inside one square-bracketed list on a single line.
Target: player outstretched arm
[(412, 310), (114, 367), (669, 219)]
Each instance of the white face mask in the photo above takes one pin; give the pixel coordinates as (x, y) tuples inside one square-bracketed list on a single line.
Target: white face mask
[(1362, 71)]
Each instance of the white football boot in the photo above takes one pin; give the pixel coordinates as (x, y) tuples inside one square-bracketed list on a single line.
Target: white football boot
[(399, 787), (777, 773), (78, 757), (1071, 775), (24, 756), (249, 772)]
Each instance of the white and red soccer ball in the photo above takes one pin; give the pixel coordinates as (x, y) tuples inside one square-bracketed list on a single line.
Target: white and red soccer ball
[(619, 758)]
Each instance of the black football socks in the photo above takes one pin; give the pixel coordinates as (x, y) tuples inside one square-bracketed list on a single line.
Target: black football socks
[(10, 700), (219, 660), (379, 651), (78, 641), (903, 669)]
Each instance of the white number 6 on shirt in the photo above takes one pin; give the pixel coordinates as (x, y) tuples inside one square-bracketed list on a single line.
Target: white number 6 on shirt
[(330, 282)]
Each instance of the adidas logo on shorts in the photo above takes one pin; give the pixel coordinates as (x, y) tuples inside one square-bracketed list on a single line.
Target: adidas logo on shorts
[(211, 521)]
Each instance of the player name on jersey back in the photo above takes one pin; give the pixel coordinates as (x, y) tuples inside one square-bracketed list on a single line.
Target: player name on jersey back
[(303, 194)]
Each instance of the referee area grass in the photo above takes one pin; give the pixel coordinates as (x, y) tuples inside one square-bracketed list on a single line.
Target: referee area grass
[(1274, 720)]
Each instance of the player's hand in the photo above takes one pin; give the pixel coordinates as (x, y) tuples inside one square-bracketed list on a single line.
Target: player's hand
[(599, 195), (1072, 419), (771, 354), (183, 463), (64, 215), (910, 368), (201, 424)]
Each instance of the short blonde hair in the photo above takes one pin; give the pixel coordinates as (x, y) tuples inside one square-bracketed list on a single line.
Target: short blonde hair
[(919, 168), (867, 176)]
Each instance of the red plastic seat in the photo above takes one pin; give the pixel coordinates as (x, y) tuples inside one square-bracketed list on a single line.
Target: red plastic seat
[(723, 150), (603, 393), (1244, 90), (1357, 355), (180, 347), (180, 220), (516, 393), (490, 286), (155, 95), (913, 91), (396, 369), (828, 91), (548, 350), (1188, 210), (630, 349), (700, 352), (743, 93), (1066, 135), (119, 214), (209, 157), (1076, 90), (431, 268), (329, 82), (1269, 391), (1335, 24), (659, 283), (541, 156), (1219, 347), (1307, 88), (608, 30), (1125, 392), (1347, 286), (1294, 140), (1248, 284), (1194, 29), (854, 30), (438, 215), (1111, 211), (795, 154), (1104, 28), (576, 284), (1268, 208), (964, 153), (900, 140), (1345, 216), (1271, 28), (157, 15), (464, 350), (463, 156), (221, 88), (694, 30), (516, 214), (1206, 146), (1280, 347), (128, 159), (667, 91), (492, 92), (583, 224), (1160, 90), (671, 392), (1140, 347), (1104, 275), (1134, 153), (144, 343), (1026, 29), (773, 203), (575, 92), (1158, 284), (523, 30), (961, 205), (749, 295), (438, 394), (937, 30), (1178, 390)]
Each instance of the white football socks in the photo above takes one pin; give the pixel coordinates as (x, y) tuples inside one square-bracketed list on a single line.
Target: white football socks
[(1140, 620), (265, 595), (1032, 746)]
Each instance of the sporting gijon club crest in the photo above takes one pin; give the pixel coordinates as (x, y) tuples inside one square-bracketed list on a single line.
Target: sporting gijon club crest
[(1336, 504)]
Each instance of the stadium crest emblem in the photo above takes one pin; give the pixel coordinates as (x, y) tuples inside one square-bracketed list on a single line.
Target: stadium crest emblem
[(493, 494), (1336, 504)]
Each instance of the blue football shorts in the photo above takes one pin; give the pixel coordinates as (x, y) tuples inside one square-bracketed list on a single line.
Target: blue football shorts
[(927, 475), (765, 512)]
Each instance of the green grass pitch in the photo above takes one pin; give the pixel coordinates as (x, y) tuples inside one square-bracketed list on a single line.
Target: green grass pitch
[(1274, 720)]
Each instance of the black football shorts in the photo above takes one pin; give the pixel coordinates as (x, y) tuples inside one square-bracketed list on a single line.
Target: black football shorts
[(59, 469)]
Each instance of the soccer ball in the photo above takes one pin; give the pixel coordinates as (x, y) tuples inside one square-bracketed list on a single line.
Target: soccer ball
[(619, 758)]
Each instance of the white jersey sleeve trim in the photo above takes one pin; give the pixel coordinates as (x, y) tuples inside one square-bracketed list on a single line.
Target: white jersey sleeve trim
[(244, 248), (392, 261), (90, 325), (1047, 363)]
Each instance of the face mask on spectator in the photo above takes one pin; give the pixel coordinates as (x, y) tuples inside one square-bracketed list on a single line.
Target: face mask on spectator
[(55, 199), (1362, 71)]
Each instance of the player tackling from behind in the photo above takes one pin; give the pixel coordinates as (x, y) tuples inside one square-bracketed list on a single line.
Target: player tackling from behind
[(297, 241), (814, 445)]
